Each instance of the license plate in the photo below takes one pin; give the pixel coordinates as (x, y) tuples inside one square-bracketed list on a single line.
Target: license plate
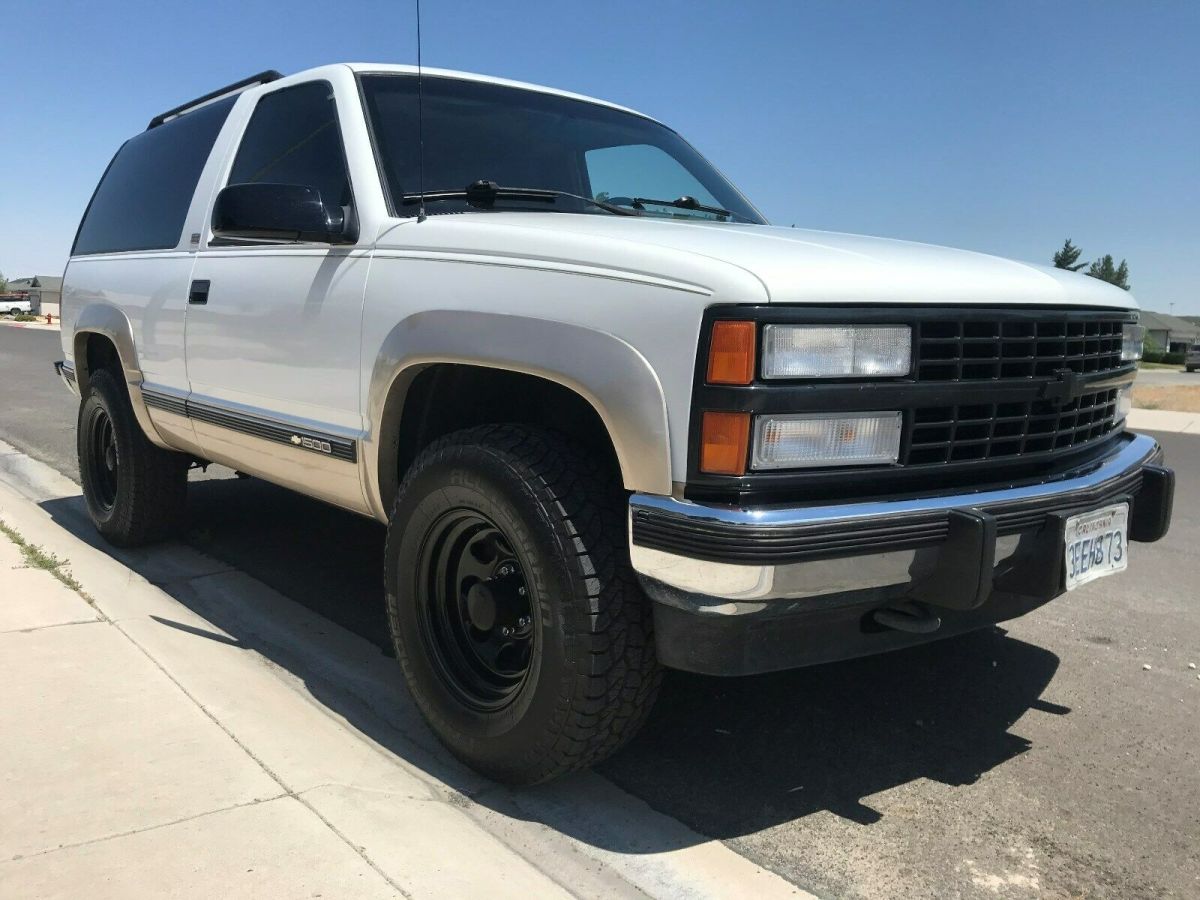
[(1096, 544)]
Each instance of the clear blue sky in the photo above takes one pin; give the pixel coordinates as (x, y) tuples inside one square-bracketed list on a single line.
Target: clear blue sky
[(997, 126)]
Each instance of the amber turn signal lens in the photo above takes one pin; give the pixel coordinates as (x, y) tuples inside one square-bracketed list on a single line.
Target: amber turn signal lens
[(724, 440), (731, 353)]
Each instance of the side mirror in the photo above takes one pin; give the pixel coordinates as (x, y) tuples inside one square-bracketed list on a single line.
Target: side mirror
[(278, 212)]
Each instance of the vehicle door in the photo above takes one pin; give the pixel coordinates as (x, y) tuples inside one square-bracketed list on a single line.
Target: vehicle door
[(272, 330)]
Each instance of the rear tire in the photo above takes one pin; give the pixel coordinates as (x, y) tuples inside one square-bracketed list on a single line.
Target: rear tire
[(522, 632), (136, 493)]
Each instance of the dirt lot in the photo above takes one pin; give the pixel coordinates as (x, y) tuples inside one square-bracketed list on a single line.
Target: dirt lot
[(1159, 396)]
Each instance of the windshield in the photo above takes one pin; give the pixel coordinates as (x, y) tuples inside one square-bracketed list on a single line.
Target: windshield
[(517, 138)]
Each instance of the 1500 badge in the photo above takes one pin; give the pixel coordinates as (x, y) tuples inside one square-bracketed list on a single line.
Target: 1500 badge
[(311, 444)]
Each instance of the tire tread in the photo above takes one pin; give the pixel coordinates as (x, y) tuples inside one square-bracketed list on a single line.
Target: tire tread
[(152, 495), (617, 675)]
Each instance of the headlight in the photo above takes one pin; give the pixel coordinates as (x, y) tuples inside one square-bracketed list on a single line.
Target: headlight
[(836, 351), (826, 439), (1132, 337), (1124, 403)]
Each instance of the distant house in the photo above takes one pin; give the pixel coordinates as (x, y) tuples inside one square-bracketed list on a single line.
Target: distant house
[(44, 292), (1172, 333)]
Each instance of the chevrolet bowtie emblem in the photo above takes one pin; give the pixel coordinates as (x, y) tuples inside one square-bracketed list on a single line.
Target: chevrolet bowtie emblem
[(309, 443), (1067, 386)]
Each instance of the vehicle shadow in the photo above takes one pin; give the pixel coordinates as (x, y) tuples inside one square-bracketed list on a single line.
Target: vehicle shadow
[(727, 757), (730, 757)]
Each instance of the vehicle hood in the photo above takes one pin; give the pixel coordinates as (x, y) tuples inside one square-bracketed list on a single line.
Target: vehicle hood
[(802, 266)]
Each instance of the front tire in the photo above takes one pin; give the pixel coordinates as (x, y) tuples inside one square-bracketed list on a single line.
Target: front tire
[(135, 492), (523, 635)]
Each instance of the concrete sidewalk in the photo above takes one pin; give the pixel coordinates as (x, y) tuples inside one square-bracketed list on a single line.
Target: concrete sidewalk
[(36, 326), (145, 751), (119, 781), (1164, 420)]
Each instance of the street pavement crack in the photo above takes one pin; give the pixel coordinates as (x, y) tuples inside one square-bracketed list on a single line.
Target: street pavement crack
[(287, 791), (53, 625), (155, 827)]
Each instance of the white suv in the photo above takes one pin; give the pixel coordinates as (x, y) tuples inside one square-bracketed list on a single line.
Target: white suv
[(612, 419)]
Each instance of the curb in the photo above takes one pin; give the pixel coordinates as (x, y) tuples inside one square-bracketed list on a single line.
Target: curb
[(265, 669)]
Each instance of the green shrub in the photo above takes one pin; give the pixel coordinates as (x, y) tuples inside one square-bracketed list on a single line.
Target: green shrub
[(26, 317), (1170, 359)]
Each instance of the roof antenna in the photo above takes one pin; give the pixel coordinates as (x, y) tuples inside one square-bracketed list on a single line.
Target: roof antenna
[(420, 124)]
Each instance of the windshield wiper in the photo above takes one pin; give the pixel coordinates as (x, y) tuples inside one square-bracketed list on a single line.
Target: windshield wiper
[(684, 202), (485, 193)]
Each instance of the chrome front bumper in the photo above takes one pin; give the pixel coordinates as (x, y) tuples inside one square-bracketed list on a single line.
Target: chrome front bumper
[(787, 553), (740, 591)]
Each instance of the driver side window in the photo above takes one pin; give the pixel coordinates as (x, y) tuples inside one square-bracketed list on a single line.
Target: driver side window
[(293, 138)]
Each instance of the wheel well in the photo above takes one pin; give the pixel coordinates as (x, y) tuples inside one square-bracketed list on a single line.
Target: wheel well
[(448, 397), (96, 352)]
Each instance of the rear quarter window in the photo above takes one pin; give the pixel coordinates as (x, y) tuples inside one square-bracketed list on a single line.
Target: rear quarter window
[(143, 198)]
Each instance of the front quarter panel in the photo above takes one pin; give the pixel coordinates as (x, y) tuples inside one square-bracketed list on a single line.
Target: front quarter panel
[(615, 321)]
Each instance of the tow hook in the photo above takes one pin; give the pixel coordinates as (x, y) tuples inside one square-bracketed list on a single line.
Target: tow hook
[(914, 618)]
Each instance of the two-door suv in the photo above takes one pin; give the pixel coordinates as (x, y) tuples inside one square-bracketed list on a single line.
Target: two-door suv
[(612, 419)]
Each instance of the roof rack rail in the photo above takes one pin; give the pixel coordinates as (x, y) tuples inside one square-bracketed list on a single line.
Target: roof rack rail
[(261, 78)]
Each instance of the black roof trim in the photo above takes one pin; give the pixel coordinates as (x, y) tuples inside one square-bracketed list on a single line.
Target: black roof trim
[(261, 78)]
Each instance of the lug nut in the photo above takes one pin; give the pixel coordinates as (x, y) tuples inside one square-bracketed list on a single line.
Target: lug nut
[(506, 631), (523, 621), (521, 591)]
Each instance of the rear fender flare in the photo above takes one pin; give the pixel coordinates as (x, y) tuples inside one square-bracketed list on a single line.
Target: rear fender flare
[(110, 322)]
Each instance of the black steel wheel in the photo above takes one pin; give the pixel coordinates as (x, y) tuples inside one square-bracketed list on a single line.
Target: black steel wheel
[(475, 612), (523, 635), (102, 459), (135, 491)]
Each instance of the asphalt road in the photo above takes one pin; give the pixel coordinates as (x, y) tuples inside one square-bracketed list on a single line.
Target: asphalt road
[(1038, 759)]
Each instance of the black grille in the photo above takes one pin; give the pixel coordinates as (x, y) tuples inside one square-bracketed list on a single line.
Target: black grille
[(946, 434), (977, 349), (994, 394)]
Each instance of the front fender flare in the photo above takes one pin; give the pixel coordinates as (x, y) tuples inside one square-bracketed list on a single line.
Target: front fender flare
[(606, 371)]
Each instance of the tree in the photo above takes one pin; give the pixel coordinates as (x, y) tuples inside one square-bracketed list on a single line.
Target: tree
[(1106, 270), (3, 283), (1068, 256)]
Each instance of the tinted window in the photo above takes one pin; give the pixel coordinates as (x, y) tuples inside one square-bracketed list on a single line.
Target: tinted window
[(293, 138), (522, 138), (639, 170), (143, 198)]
